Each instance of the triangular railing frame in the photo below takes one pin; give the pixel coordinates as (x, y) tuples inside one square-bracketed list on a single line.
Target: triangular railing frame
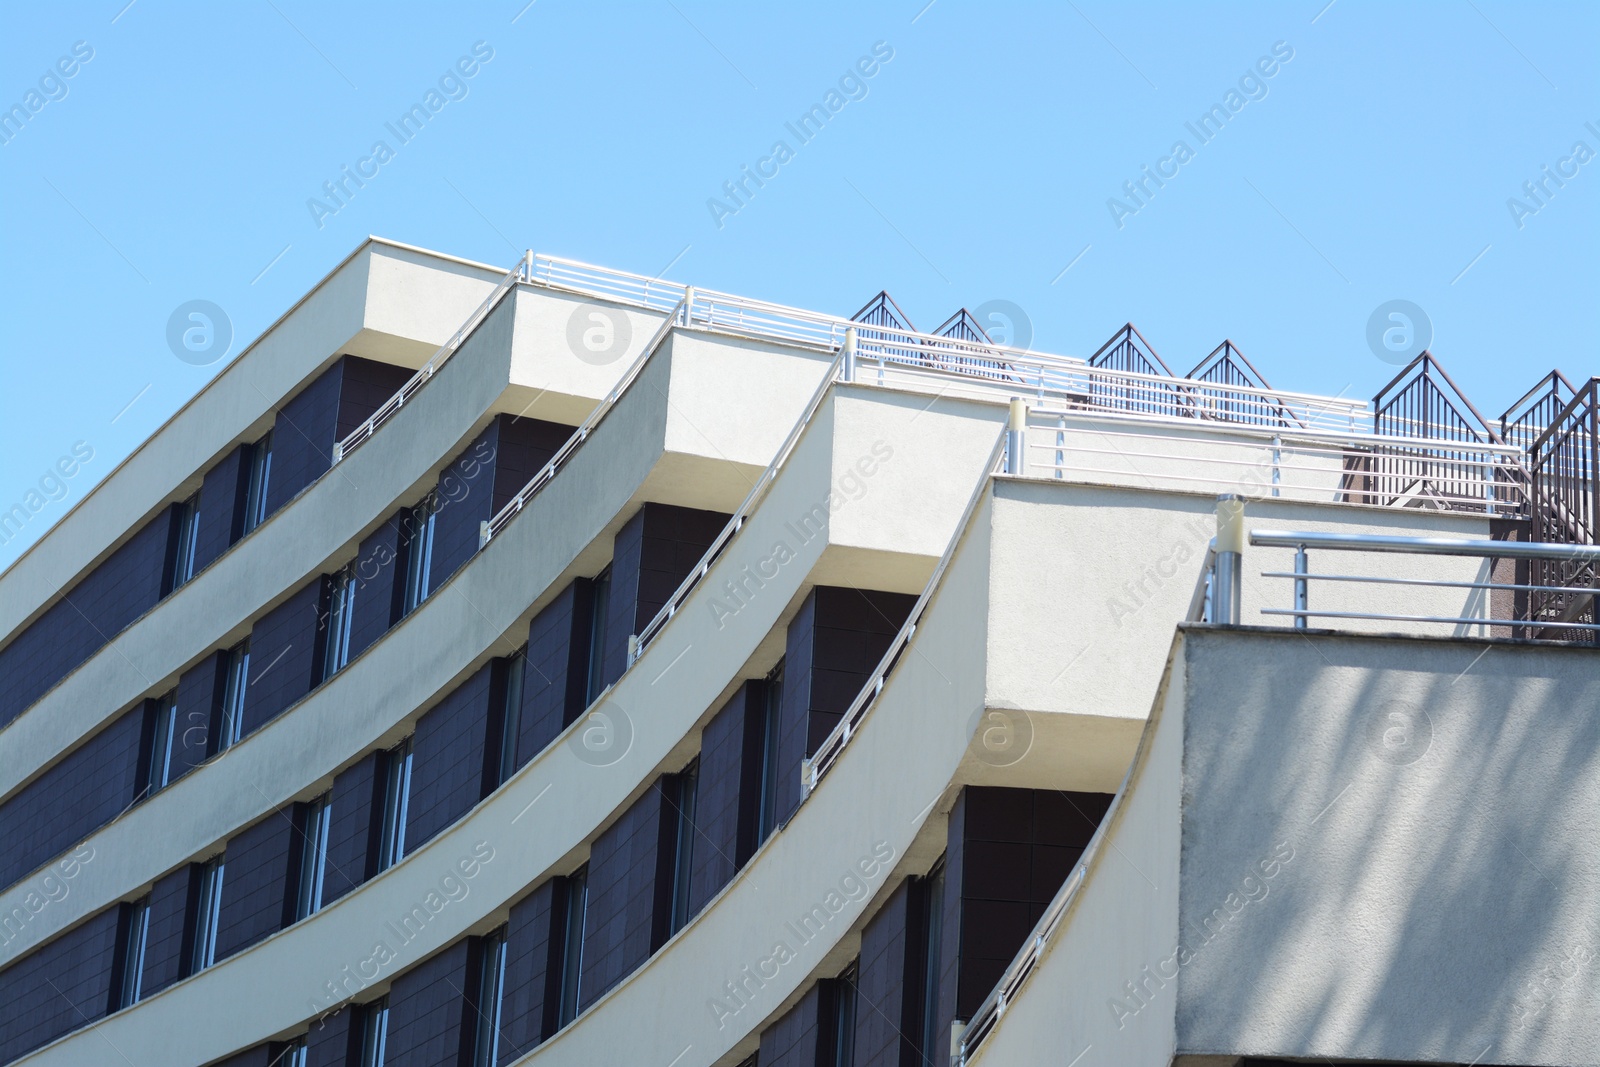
[(964, 327)]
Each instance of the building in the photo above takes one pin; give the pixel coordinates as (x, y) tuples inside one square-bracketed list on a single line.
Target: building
[(563, 666)]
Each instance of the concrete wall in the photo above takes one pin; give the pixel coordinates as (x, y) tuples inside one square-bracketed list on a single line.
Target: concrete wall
[(1092, 593), (1442, 899)]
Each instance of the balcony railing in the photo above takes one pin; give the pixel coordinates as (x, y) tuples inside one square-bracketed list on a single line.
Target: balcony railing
[(1294, 465), (1528, 625), (361, 434)]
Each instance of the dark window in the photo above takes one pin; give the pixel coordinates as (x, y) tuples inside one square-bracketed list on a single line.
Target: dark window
[(375, 1033), (577, 903), (933, 931), (600, 591), (511, 720), (134, 938), (181, 544), (396, 796), (491, 980), (767, 820), (315, 816), (417, 529), (208, 907), (685, 788), (161, 734), (293, 1055), (843, 1010), (255, 496), (336, 619), (230, 721)]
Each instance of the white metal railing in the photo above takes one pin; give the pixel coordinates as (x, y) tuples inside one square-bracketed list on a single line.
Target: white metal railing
[(1302, 577), (832, 746), (580, 435), (1022, 966), (1353, 468), (359, 436), (735, 523)]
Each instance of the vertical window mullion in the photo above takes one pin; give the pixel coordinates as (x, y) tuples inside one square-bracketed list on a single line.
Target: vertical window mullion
[(577, 892), (138, 935), (375, 1034), (687, 790), (512, 721), (491, 981)]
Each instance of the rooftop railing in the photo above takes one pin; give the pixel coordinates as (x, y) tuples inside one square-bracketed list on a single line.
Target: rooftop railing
[(1298, 464), (1529, 625)]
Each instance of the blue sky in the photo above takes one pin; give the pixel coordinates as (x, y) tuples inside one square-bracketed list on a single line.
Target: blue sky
[(979, 162)]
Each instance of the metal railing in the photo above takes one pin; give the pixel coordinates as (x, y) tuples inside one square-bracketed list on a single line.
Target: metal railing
[(993, 1009), (535, 484), (828, 752), (361, 434), (757, 493), (1305, 541), (1300, 465)]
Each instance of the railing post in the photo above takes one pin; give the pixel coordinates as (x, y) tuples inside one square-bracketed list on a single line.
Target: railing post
[(1225, 591), (633, 648), (1016, 437), (1277, 458), (688, 305), (483, 533), (848, 372), (1300, 583)]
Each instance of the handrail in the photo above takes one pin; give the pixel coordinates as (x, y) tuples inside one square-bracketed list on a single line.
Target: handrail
[(1069, 377), (828, 752), (1430, 546), (361, 434), (1021, 967), (548, 471), (736, 522), (1527, 618), (1200, 602)]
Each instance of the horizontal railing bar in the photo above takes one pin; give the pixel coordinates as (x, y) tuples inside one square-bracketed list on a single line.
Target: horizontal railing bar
[(1370, 580), (1438, 546), (1292, 435), (1339, 490), (1429, 618)]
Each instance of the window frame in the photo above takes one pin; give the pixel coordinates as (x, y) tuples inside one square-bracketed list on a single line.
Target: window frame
[(163, 742), (339, 612), (490, 993), (315, 819), (575, 888), (183, 542), (135, 945), (230, 713), (207, 914), (375, 1032), (771, 722), (256, 480), (418, 531), (685, 797), (511, 714), (599, 615), (396, 805)]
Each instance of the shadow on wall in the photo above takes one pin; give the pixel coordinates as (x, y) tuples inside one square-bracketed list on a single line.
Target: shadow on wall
[(1440, 903)]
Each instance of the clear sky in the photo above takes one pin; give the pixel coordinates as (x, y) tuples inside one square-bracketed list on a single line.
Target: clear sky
[(1371, 152)]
